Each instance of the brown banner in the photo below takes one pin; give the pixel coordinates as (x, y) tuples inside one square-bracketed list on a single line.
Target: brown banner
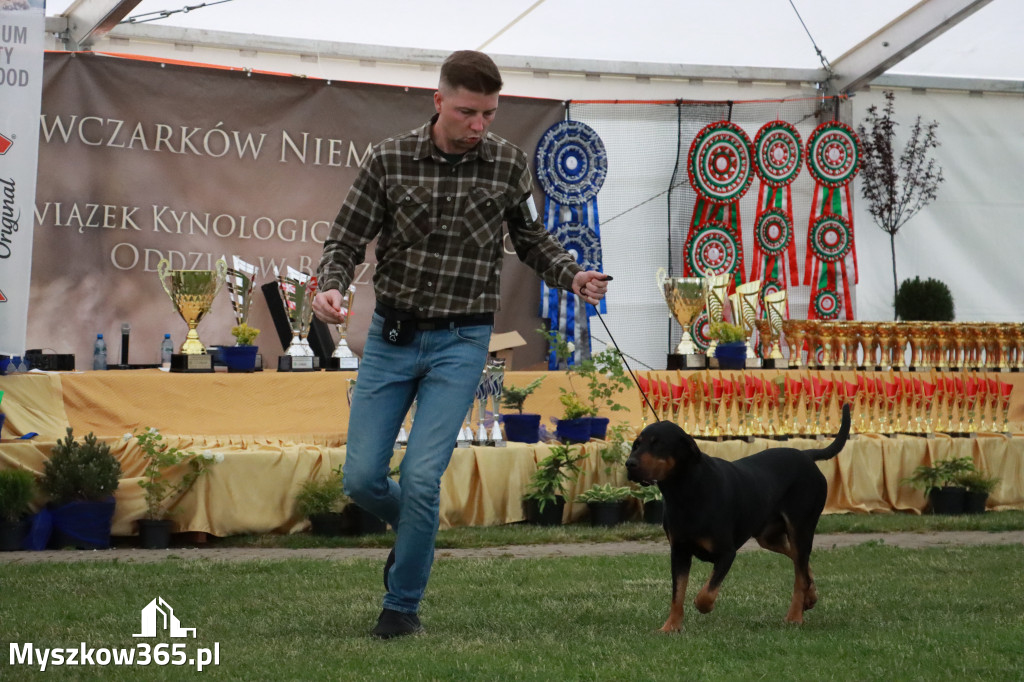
[(140, 161)]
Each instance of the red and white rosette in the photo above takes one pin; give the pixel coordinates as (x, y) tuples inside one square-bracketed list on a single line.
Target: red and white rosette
[(778, 159), (833, 159), (719, 166)]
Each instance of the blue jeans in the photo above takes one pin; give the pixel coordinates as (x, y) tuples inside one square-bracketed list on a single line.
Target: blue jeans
[(441, 368)]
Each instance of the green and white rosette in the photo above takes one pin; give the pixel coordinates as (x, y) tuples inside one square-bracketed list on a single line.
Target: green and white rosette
[(720, 169), (833, 159), (778, 159), (571, 166)]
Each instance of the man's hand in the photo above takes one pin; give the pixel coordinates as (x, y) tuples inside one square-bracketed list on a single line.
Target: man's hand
[(327, 306), (590, 285)]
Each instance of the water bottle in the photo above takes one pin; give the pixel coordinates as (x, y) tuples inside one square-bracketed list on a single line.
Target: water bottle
[(166, 349), (99, 353)]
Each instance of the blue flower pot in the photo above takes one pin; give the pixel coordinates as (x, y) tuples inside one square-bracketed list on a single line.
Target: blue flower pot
[(599, 427), (522, 428), (732, 355), (240, 358), (85, 525), (573, 430)]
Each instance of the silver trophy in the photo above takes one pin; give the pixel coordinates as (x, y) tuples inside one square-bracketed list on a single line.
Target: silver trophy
[(496, 372), (343, 357), (483, 392), (297, 291), (240, 283)]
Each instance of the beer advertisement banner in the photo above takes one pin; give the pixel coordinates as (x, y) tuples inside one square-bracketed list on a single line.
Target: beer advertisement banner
[(141, 161), (21, 79)]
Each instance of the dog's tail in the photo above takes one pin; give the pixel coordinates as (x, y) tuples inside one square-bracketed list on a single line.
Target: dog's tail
[(835, 446)]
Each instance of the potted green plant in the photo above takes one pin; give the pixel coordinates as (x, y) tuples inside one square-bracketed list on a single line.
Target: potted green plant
[(731, 349), (519, 427), (323, 501), (977, 487), (574, 426), (544, 501), (652, 501), (605, 503), (80, 480), (17, 488), (163, 483), (929, 300), (939, 482), (606, 378), (242, 356)]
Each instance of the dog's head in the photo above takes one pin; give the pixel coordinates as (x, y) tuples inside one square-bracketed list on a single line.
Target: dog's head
[(659, 452)]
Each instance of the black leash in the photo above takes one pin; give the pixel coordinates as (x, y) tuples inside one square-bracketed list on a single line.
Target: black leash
[(623, 356)]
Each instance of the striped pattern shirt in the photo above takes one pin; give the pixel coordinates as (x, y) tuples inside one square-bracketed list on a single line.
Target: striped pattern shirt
[(439, 224)]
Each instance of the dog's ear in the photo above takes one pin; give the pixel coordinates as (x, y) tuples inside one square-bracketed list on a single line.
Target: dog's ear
[(691, 452)]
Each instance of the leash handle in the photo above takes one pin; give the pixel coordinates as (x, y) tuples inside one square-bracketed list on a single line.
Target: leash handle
[(623, 357)]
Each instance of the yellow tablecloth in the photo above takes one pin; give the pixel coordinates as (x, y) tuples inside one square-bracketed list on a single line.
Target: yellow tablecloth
[(277, 430)]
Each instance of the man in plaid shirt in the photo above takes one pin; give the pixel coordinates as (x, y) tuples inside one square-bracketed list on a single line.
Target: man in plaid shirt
[(437, 198)]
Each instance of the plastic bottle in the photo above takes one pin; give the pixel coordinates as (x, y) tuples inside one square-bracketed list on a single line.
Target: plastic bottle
[(99, 353), (166, 349)]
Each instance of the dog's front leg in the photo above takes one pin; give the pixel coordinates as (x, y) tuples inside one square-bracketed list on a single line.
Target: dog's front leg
[(681, 561), (705, 600)]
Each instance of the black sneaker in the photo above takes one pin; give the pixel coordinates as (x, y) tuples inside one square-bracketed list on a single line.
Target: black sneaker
[(396, 624), (387, 568)]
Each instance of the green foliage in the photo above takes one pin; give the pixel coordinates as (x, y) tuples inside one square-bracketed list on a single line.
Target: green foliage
[(553, 472), (17, 488), (156, 483), (574, 407), (616, 447), (929, 300), (976, 482), (942, 474), (605, 493), (647, 493), (80, 471), (514, 397), (321, 495), (244, 334), (604, 374), (727, 333)]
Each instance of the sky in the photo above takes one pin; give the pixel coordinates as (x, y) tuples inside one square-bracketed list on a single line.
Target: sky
[(762, 33)]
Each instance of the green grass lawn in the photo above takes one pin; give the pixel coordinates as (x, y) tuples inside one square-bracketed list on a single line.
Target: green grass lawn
[(885, 614)]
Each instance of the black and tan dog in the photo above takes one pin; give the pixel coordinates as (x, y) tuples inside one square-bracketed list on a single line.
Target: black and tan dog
[(713, 506)]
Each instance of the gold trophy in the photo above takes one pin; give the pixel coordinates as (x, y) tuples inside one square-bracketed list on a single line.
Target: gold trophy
[(744, 313), (795, 332), (716, 291), (343, 357), (685, 298), (297, 290), (775, 310), (192, 293)]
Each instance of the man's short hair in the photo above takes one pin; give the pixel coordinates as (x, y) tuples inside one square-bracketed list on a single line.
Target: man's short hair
[(471, 70)]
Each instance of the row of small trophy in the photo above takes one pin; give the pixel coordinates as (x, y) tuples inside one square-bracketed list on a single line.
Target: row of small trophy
[(783, 406), (488, 389), (689, 297), (917, 346), (193, 291)]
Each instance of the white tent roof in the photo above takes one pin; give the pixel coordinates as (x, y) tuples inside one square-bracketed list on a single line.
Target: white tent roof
[(730, 33)]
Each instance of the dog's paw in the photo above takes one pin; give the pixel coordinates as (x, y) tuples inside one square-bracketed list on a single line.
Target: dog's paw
[(705, 602), (670, 628)]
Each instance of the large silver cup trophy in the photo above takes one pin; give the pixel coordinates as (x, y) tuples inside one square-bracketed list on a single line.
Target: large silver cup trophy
[(297, 290), (343, 357)]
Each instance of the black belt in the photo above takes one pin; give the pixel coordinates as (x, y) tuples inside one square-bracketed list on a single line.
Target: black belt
[(429, 324)]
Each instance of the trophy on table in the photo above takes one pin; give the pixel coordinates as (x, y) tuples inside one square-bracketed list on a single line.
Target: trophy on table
[(716, 291), (240, 283), (297, 291), (744, 313), (343, 357), (484, 390), (496, 378), (192, 293), (685, 299), (775, 311)]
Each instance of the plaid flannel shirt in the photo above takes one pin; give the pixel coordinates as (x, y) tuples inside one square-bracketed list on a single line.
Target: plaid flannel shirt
[(440, 245)]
